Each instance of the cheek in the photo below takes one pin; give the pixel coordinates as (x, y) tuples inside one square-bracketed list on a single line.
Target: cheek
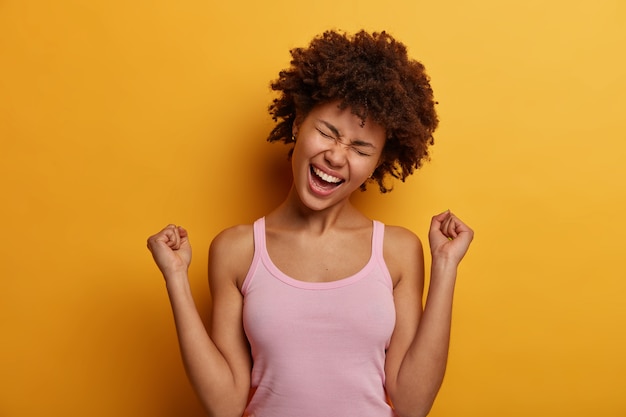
[(300, 157), (364, 168), (308, 148)]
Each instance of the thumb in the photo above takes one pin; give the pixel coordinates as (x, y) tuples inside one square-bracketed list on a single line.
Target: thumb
[(437, 219), (182, 232)]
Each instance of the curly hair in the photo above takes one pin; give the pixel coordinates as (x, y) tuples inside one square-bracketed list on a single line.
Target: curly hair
[(371, 74)]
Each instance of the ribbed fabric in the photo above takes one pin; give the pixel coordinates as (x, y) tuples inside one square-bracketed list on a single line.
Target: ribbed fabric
[(318, 348)]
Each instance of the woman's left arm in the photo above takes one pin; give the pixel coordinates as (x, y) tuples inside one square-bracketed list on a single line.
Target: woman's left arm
[(418, 351)]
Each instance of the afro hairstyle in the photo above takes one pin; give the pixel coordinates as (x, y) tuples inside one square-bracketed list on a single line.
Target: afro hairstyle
[(371, 74)]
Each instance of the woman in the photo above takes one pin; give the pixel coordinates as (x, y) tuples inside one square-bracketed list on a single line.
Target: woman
[(317, 310)]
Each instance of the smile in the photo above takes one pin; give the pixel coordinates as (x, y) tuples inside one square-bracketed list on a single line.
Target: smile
[(325, 177)]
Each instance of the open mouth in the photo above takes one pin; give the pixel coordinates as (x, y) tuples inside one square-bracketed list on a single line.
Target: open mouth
[(324, 181)]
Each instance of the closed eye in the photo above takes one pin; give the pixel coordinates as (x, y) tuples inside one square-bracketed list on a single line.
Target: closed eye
[(360, 152), (356, 147), (326, 135)]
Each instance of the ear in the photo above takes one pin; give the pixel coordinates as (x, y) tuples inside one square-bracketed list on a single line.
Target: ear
[(295, 127), (380, 161)]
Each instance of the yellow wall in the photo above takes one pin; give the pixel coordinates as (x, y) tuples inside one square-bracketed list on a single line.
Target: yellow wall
[(118, 117)]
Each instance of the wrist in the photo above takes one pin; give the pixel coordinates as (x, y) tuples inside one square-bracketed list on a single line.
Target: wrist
[(443, 268), (176, 279)]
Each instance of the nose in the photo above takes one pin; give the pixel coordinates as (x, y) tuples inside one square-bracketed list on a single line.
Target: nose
[(336, 154)]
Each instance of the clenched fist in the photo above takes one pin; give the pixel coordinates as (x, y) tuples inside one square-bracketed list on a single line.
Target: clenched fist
[(449, 237), (171, 250)]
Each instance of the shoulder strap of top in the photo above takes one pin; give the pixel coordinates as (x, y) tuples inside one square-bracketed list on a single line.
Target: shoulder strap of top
[(378, 235), (259, 236), (259, 250)]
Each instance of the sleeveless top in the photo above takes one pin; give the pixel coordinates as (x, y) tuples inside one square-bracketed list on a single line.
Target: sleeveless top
[(318, 348)]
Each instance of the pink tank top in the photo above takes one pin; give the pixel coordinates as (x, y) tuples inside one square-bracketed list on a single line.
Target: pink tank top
[(318, 348)]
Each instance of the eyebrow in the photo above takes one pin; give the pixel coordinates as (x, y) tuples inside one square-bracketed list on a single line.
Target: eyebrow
[(356, 142)]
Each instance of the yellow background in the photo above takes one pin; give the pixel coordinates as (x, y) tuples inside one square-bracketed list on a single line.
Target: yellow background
[(118, 117)]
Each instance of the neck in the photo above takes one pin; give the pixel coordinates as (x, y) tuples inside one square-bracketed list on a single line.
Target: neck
[(292, 213)]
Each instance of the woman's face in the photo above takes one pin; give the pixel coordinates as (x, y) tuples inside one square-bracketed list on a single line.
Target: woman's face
[(334, 154)]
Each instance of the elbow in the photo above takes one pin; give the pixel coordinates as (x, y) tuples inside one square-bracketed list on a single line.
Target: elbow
[(227, 406), (213, 411), (412, 406), (414, 398), (417, 411)]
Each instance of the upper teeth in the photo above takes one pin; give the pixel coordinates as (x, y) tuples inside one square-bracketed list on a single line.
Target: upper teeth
[(325, 176)]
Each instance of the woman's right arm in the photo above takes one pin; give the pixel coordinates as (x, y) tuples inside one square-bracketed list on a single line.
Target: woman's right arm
[(218, 365)]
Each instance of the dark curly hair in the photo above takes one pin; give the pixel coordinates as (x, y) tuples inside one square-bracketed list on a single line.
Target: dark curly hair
[(371, 74)]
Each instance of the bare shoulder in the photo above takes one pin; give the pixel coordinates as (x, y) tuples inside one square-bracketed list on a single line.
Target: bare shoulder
[(403, 253), (400, 242), (236, 237), (230, 254)]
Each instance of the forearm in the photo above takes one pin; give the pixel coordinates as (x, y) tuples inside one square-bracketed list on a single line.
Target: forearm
[(422, 370), (206, 367)]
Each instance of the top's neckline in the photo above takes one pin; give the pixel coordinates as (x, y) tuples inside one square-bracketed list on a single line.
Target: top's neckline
[(325, 285)]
